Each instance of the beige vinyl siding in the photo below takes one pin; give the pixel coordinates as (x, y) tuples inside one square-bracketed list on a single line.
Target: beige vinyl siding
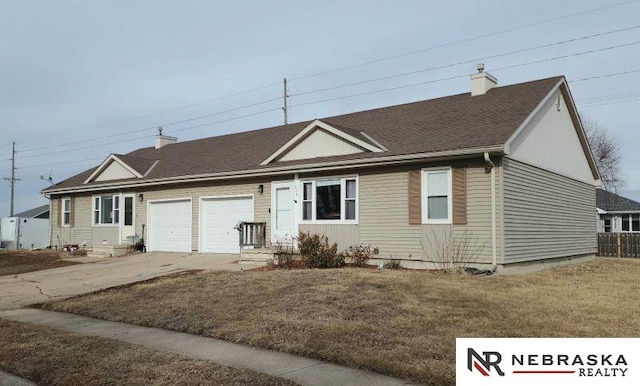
[(384, 216), (477, 230), (114, 171), (320, 144), (345, 235), (546, 215), (80, 232), (262, 202)]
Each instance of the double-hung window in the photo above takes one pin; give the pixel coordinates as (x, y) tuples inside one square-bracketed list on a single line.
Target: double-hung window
[(330, 200), (106, 210), (630, 223), (436, 196), (66, 212)]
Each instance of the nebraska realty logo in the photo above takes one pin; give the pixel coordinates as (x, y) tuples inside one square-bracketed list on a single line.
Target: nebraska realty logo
[(523, 361)]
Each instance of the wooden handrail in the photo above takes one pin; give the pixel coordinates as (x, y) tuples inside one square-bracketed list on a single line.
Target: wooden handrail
[(252, 234)]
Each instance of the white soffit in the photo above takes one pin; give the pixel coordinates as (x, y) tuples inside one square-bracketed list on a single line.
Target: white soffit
[(319, 139)]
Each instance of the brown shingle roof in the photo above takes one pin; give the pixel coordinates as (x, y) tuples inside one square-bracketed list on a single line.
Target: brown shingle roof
[(449, 123)]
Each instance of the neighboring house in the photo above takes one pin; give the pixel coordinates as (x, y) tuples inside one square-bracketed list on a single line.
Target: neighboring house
[(26, 230), (617, 213), (505, 171), (39, 212)]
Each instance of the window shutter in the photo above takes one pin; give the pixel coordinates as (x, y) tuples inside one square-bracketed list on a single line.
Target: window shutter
[(415, 210), (72, 205), (59, 211), (460, 196)]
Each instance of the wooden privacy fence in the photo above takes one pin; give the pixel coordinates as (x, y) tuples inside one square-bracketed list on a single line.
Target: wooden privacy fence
[(619, 244)]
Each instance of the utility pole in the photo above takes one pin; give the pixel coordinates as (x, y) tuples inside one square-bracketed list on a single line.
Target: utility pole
[(13, 179), (285, 97)]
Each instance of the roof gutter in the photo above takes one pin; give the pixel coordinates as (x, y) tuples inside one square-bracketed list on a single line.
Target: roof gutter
[(287, 169), (494, 238)]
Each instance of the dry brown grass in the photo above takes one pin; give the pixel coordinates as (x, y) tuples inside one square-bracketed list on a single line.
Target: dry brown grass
[(16, 262), (402, 323), (49, 356)]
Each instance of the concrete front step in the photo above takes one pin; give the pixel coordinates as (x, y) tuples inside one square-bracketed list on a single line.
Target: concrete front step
[(108, 251), (262, 255)]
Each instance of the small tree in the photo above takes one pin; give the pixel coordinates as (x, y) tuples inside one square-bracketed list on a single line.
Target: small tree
[(606, 151)]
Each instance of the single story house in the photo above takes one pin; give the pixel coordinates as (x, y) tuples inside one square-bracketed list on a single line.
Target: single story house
[(616, 213), (500, 177)]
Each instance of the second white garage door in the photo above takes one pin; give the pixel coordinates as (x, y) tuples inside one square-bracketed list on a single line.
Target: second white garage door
[(218, 217)]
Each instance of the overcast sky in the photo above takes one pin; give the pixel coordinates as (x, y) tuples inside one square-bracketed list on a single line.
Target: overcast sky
[(80, 80)]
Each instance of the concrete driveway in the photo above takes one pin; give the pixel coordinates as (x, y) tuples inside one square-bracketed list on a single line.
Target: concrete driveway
[(58, 283)]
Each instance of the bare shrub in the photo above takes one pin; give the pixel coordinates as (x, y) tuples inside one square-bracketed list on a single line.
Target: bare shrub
[(359, 255), (316, 252), (392, 264), (452, 252), (285, 255)]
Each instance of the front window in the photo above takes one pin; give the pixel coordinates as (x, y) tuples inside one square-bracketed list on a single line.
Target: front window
[(66, 211), (436, 196), (106, 210), (606, 224), (334, 199), (631, 222)]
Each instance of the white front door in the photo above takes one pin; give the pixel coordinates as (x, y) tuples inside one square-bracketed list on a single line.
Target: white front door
[(283, 212), (127, 217)]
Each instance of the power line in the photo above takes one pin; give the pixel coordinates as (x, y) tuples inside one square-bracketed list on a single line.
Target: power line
[(159, 112), (341, 69), (465, 40), (568, 56), (604, 76), (60, 163), (155, 126), (465, 75), (467, 61), (145, 136)]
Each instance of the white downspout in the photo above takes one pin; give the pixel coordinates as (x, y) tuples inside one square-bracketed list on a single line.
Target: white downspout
[(494, 241)]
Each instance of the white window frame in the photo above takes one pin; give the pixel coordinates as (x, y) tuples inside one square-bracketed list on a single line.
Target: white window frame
[(116, 210), (63, 211), (629, 219), (343, 198), (425, 191)]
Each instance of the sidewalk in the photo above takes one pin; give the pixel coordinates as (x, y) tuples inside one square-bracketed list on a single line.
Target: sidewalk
[(7, 379), (298, 369)]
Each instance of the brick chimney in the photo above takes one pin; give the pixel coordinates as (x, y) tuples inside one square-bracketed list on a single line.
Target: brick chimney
[(482, 81), (163, 140)]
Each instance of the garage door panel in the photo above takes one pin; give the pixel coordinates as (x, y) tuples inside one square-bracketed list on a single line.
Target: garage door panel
[(170, 226), (219, 216)]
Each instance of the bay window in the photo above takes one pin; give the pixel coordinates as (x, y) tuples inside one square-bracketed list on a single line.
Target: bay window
[(330, 200)]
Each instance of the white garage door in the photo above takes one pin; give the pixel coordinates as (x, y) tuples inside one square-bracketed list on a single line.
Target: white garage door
[(170, 226), (218, 218)]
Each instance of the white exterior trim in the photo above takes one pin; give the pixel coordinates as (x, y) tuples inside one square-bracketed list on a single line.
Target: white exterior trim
[(343, 195), (424, 191), (106, 163), (279, 170), (62, 224), (205, 198), (307, 130)]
